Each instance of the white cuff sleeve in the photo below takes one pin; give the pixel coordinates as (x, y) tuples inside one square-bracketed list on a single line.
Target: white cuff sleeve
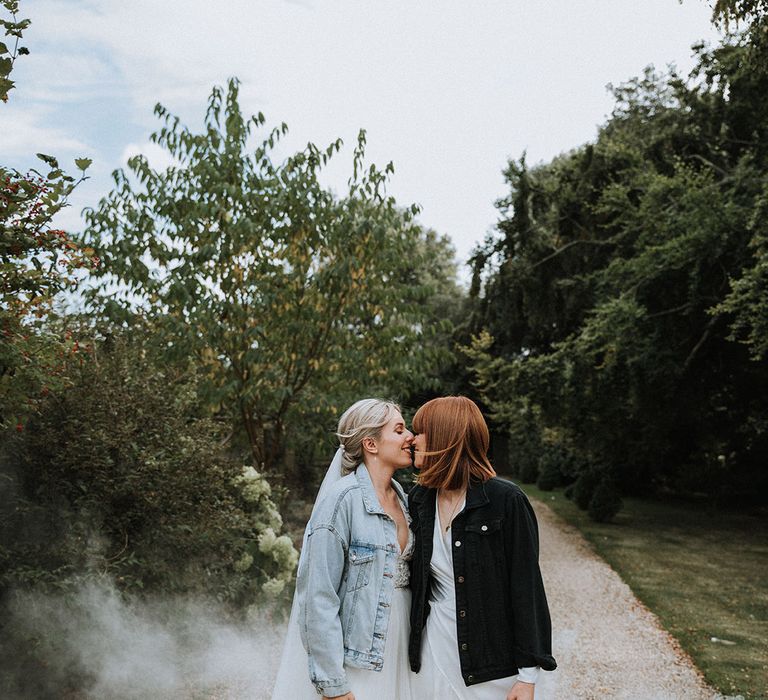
[(528, 674)]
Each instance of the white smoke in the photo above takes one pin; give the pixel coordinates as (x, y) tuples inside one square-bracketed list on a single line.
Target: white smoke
[(110, 648)]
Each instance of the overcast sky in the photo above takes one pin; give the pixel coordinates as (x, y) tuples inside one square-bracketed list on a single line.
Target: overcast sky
[(447, 90)]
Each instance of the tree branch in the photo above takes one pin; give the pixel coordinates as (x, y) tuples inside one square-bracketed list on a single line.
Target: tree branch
[(670, 311), (710, 325), (567, 246)]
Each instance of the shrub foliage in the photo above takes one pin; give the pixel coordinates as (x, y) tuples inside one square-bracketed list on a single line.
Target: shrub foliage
[(121, 476)]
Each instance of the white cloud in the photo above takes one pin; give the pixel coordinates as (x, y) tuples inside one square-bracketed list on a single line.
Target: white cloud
[(27, 130), (55, 76), (447, 90), (158, 157)]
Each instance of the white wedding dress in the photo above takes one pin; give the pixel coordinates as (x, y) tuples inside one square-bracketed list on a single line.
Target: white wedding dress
[(392, 682)]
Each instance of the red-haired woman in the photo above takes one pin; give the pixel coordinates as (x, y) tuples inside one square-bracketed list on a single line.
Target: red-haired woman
[(480, 627)]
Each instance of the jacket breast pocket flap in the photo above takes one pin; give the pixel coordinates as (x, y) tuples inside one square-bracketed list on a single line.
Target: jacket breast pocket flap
[(484, 527), (360, 563)]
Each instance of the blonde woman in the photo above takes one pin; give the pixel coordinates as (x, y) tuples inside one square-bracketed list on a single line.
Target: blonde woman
[(348, 632)]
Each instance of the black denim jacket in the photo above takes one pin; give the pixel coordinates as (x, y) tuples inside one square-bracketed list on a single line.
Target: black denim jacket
[(502, 616)]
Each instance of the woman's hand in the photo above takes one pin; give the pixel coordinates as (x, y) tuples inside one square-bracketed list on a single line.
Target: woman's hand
[(348, 696), (521, 691)]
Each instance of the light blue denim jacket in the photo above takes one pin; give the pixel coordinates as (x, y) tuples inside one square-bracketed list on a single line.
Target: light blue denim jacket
[(345, 582)]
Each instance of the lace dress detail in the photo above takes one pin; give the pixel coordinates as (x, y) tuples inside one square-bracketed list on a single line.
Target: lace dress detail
[(402, 571)]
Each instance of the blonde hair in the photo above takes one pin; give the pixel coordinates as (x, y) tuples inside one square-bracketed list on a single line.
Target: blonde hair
[(457, 443), (363, 419)]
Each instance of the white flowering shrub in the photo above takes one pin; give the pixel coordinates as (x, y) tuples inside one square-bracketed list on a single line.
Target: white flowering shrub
[(253, 485), (273, 587), (280, 548), (267, 560), (257, 492), (243, 563)]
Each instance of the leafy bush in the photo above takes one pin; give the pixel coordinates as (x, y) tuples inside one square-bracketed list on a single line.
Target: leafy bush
[(557, 466), (605, 502), (524, 449), (549, 476), (38, 262), (584, 488), (527, 468), (122, 476)]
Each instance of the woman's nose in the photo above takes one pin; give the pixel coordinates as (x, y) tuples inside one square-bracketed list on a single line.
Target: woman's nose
[(410, 436)]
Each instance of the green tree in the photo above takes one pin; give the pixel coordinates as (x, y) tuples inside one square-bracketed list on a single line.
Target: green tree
[(725, 11), (37, 261), (625, 270), (748, 299), (279, 288)]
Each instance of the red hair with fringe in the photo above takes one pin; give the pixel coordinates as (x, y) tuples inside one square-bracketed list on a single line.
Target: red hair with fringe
[(457, 442)]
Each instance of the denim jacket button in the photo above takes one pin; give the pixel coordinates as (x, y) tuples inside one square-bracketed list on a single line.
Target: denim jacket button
[(464, 647), (484, 528), (460, 579), (458, 543)]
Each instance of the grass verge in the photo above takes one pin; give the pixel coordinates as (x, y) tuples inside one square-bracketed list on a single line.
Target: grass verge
[(704, 572)]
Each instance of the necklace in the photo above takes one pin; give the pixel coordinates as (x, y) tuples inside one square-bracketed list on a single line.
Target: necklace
[(453, 512)]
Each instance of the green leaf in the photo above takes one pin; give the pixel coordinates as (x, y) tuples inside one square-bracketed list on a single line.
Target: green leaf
[(5, 87), (23, 51), (50, 160), (83, 163)]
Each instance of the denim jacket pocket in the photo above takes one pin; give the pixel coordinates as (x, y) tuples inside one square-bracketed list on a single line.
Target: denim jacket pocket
[(485, 546), (360, 564)]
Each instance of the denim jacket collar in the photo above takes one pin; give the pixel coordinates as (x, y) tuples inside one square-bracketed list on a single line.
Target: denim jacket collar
[(370, 499), (476, 495)]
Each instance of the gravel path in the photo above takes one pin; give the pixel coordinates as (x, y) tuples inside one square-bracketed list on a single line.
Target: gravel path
[(607, 644)]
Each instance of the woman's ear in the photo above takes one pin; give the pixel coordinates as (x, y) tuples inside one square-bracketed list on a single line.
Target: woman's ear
[(370, 446)]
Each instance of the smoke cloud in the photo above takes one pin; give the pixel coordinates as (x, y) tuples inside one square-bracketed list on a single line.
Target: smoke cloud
[(94, 644)]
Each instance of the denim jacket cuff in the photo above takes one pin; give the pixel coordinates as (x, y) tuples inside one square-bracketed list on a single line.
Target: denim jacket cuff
[(333, 687)]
